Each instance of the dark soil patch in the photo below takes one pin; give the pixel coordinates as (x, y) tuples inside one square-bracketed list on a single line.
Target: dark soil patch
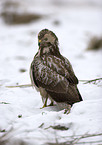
[(95, 43), (23, 18)]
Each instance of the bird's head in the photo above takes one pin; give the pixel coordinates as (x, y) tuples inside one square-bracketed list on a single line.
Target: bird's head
[(48, 42)]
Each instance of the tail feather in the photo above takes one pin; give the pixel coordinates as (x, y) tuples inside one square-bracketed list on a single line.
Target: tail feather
[(80, 97)]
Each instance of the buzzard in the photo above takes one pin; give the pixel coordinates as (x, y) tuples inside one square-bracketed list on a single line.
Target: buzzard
[(52, 74)]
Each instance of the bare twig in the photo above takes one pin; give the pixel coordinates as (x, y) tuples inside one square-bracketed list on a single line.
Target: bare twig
[(20, 86), (90, 142), (90, 81), (76, 140), (4, 103)]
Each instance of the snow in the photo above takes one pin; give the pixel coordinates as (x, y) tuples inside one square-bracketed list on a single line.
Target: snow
[(22, 116)]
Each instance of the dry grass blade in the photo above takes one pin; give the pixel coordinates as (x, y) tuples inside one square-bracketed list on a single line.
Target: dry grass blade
[(76, 140), (90, 81), (20, 86)]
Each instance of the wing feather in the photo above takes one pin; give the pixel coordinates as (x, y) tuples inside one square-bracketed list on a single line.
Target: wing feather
[(62, 67), (47, 78)]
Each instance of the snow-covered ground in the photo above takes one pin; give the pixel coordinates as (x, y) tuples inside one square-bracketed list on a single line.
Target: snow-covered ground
[(21, 118)]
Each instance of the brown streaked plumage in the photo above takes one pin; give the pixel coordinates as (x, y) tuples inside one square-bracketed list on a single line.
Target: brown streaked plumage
[(51, 73)]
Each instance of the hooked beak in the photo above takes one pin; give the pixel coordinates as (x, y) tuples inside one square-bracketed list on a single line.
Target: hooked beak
[(39, 41)]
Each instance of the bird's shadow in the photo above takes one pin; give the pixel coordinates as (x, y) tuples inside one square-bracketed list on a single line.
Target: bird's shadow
[(52, 108), (57, 109)]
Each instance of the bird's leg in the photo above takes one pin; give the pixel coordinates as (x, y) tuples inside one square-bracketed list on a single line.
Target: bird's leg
[(45, 103), (51, 104)]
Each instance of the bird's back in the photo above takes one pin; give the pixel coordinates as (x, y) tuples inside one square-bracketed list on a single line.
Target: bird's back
[(57, 77)]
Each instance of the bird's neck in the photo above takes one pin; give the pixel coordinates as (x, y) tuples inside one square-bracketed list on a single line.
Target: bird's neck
[(49, 50)]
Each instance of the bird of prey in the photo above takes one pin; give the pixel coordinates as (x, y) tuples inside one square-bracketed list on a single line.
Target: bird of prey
[(52, 74)]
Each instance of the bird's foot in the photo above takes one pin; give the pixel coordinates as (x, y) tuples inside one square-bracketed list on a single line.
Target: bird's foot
[(43, 106), (67, 110), (51, 104)]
